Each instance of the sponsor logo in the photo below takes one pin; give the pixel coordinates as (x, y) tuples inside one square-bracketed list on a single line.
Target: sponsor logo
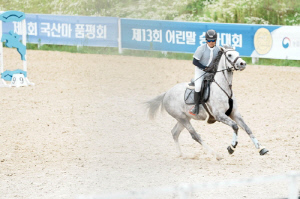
[(286, 42), (263, 41)]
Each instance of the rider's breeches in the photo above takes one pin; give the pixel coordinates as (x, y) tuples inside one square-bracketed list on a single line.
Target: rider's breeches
[(199, 75)]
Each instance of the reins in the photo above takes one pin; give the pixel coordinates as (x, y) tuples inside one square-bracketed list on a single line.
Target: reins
[(227, 68)]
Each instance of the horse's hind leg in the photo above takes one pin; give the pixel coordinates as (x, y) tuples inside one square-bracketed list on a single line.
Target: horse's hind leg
[(176, 132), (186, 123), (236, 116)]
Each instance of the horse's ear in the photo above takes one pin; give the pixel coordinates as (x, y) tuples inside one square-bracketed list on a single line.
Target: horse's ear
[(222, 49)]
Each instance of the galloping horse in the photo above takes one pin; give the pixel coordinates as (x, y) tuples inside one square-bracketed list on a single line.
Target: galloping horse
[(221, 105)]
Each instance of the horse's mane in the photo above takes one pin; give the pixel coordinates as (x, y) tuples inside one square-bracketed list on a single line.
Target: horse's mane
[(214, 65)]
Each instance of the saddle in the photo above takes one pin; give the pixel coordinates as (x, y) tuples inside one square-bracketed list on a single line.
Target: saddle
[(204, 92)]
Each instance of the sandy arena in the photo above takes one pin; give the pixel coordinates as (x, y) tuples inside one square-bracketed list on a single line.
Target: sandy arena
[(83, 130)]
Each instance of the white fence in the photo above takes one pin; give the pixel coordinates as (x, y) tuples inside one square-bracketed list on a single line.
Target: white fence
[(184, 190)]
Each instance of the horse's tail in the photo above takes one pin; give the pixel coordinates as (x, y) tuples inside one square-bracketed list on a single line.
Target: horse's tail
[(153, 105)]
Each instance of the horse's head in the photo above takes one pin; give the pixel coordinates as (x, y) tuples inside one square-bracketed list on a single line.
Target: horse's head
[(233, 59)]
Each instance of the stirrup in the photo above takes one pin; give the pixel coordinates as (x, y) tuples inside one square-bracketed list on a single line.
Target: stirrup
[(192, 111)]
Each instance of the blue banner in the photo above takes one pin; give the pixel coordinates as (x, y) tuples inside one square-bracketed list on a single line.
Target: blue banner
[(68, 30), (171, 36), (185, 37)]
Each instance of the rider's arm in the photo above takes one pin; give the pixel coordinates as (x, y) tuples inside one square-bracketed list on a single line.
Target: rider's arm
[(197, 63)]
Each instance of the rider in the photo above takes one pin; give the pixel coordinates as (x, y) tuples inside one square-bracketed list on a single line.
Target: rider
[(203, 57)]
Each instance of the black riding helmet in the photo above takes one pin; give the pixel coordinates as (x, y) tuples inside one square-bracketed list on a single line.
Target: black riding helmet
[(211, 34)]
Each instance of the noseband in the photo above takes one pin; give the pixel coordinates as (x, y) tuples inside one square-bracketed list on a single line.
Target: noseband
[(232, 63)]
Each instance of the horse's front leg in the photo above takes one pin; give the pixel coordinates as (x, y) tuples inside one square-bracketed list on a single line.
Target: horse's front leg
[(228, 121), (234, 143), (236, 116)]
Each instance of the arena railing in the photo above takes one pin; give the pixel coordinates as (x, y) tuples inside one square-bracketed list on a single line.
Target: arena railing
[(184, 190)]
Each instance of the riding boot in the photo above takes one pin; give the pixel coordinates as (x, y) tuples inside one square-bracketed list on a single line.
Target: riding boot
[(197, 102)]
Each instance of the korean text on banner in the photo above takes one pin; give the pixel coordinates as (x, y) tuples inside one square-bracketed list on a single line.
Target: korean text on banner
[(185, 37), (71, 30)]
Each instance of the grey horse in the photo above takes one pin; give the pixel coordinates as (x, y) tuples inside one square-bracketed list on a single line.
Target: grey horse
[(221, 105)]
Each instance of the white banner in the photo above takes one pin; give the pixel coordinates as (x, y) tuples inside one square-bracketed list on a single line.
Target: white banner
[(281, 43)]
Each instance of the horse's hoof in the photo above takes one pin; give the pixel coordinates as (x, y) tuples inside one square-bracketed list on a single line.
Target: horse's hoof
[(230, 150), (263, 151)]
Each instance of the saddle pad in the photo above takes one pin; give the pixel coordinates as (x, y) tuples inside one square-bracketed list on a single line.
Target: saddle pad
[(189, 96)]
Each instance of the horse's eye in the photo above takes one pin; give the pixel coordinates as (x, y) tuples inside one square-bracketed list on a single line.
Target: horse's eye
[(229, 55)]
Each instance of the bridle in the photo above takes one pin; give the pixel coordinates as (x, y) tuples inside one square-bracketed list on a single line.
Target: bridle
[(229, 69), (232, 63)]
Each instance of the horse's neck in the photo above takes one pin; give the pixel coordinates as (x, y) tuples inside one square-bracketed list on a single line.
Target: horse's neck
[(224, 77)]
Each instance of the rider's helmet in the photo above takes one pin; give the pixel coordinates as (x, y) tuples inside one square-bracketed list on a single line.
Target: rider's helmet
[(211, 34)]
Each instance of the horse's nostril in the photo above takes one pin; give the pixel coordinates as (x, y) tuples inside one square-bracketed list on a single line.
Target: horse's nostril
[(242, 63)]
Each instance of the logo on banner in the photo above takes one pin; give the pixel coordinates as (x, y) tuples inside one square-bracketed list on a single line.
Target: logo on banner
[(286, 42), (263, 41)]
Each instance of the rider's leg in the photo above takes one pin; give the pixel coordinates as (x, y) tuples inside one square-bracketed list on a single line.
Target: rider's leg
[(199, 75), (197, 102)]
